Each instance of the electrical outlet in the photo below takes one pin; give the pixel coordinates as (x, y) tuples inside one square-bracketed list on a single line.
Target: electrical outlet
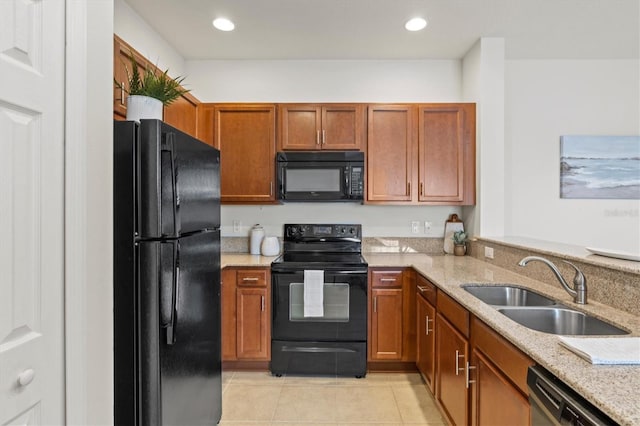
[(427, 226), (415, 227), (236, 226), (488, 252)]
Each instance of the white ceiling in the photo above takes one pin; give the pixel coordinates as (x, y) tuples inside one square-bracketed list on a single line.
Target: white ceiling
[(374, 29)]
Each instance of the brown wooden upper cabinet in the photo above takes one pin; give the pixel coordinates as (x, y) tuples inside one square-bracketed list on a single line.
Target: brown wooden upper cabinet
[(318, 127), (421, 154), (245, 134), (181, 114)]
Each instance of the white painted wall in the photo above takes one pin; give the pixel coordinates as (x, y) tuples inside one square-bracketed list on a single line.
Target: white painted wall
[(547, 99), (378, 221), (130, 27), (325, 81)]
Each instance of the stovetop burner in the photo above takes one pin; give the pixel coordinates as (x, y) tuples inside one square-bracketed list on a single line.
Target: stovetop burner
[(321, 246)]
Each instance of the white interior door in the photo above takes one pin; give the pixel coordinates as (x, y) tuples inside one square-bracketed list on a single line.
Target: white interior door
[(32, 63)]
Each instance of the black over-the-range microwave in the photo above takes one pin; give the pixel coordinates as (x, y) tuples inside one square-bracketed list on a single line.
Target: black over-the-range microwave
[(320, 176)]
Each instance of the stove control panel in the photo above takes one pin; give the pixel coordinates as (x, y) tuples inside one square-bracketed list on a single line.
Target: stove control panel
[(295, 232)]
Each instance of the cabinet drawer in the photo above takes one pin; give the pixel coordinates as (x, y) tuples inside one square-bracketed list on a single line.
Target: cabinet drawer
[(388, 278), (454, 312), (252, 277), (509, 359), (426, 289)]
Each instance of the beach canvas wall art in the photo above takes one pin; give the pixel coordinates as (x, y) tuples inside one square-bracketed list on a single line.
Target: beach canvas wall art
[(603, 167)]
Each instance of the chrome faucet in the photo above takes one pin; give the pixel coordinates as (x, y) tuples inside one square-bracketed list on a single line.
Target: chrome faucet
[(579, 290)]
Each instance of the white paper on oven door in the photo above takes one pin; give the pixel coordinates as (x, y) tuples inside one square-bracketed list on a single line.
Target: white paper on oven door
[(313, 293)]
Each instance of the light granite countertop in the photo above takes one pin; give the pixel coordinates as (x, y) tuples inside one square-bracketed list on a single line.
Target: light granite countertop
[(245, 259), (613, 389)]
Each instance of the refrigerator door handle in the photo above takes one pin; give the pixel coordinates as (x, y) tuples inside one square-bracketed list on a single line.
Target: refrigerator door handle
[(169, 146), (169, 292)]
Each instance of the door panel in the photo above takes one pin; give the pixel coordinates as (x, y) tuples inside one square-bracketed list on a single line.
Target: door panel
[(390, 156), (188, 173), (354, 329), (32, 189)]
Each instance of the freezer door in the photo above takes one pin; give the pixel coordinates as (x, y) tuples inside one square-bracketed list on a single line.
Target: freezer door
[(180, 331), (178, 182)]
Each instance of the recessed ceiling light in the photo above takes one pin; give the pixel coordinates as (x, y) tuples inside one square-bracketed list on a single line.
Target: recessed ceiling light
[(223, 24), (415, 24)]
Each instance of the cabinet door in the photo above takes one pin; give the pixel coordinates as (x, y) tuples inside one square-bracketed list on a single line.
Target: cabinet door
[(182, 114), (386, 324), (253, 338), (121, 63), (446, 153), (245, 136), (300, 127), (426, 315), (451, 386), (342, 127), (228, 309), (495, 401), (390, 153)]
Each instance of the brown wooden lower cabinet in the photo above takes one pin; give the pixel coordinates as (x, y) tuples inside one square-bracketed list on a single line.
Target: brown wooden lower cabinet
[(495, 401), (386, 324), (392, 319), (426, 345), (452, 358), (246, 318)]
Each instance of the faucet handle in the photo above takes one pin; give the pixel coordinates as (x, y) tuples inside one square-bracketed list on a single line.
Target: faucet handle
[(579, 280)]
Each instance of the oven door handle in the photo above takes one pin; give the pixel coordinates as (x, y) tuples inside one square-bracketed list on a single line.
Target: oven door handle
[(313, 349), (326, 271)]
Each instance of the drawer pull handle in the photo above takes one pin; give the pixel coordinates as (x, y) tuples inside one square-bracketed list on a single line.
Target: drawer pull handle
[(458, 356), (423, 289), (467, 381), (250, 279), (262, 304), (427, 320), (388, 280)]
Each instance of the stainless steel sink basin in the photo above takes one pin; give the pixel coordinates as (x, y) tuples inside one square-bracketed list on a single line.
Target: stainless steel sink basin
[(507, 295), (560, 320)]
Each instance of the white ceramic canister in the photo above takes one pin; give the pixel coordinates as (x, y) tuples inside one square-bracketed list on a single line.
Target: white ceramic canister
[(270, 246), (255, 239)]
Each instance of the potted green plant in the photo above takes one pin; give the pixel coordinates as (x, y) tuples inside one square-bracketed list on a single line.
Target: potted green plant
[(149, 91), (459, 243)]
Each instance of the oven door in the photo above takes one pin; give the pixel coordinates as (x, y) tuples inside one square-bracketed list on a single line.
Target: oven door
[(344, 305)]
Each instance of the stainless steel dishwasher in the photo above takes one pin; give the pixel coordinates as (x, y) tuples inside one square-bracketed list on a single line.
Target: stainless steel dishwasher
[(555, 403)]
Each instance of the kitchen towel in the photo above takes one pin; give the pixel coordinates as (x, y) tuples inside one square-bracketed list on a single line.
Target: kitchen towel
[(313, 293), (599, 350)]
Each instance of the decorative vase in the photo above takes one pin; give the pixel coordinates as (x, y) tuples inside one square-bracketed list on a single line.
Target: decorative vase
[(459, 249), (143, 107)]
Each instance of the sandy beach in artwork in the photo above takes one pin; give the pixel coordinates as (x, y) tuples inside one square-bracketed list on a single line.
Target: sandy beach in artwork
[(572, 188)]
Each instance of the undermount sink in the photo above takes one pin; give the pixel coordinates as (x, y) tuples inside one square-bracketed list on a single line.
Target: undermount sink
[(560, 320), (507, 295), (539, 312)]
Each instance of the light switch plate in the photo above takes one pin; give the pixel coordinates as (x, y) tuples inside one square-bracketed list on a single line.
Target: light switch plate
[(488, 252)]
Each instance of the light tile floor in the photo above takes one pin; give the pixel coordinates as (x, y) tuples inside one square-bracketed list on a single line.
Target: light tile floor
[(257, 398)]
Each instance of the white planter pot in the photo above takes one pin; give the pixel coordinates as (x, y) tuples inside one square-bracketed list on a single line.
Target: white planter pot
[(143, 107)]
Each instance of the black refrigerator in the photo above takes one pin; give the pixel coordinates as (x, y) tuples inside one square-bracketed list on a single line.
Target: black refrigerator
[(167, 361)]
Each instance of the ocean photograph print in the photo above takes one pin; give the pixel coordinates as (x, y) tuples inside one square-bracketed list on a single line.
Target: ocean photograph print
[(600, 167)]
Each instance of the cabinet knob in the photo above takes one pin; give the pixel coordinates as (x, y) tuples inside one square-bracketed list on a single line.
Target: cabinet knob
[(26, 377)]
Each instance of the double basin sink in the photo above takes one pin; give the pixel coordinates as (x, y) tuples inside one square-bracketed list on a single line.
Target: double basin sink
[(539, 312)]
